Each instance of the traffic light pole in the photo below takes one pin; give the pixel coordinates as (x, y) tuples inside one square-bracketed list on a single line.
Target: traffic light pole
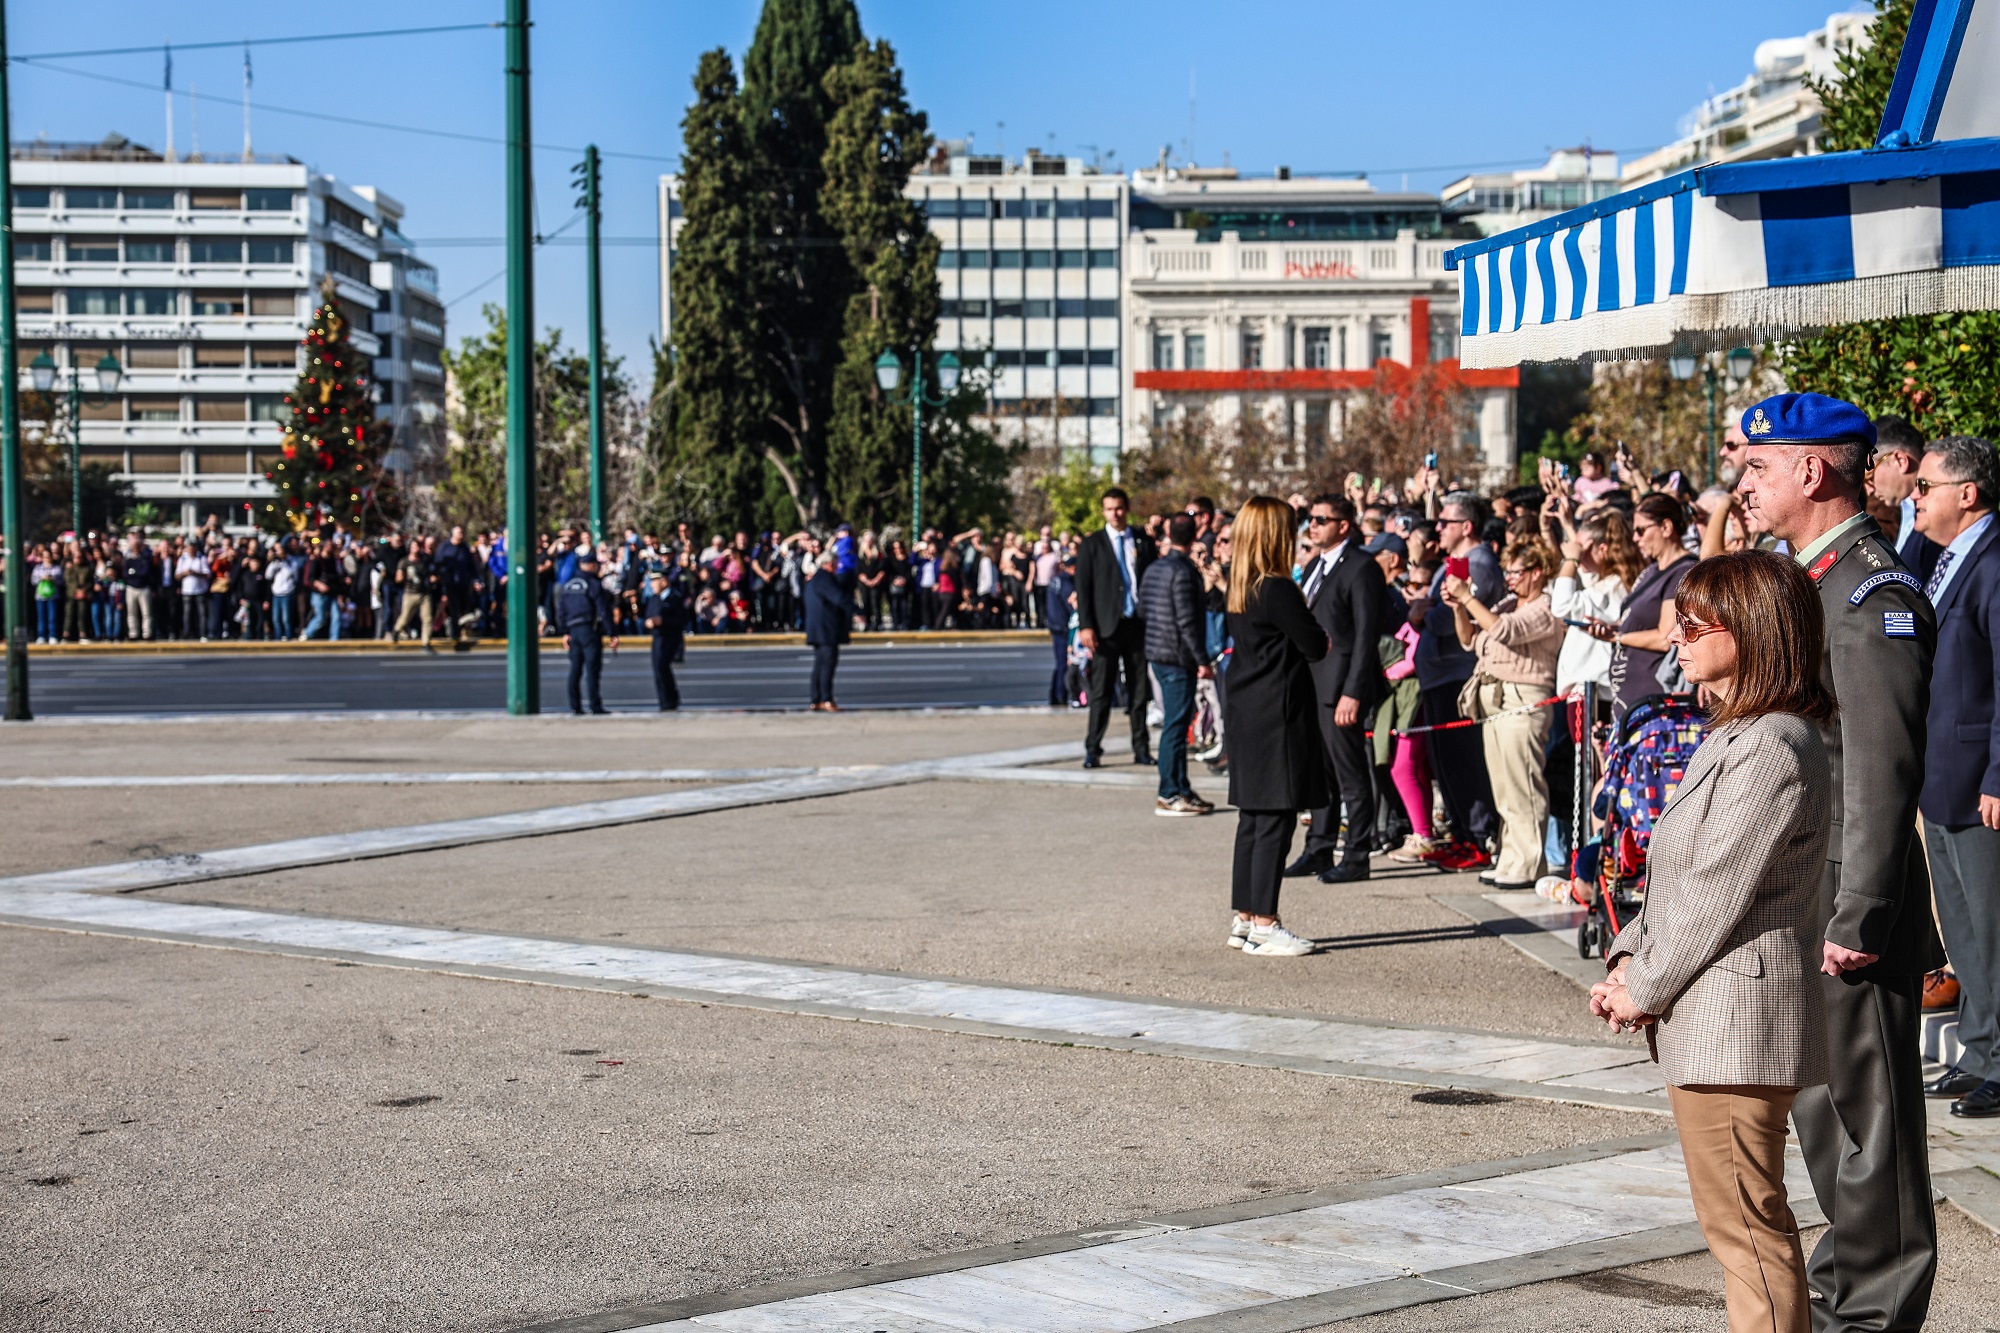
[(594, 317), (13, 510), (524, 680)]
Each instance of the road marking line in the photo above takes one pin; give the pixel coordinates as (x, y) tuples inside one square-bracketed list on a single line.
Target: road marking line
[(1602, 1075), (415, 779)]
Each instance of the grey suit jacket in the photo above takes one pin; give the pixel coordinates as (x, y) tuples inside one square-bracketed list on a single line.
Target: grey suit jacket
[(1726, 949)]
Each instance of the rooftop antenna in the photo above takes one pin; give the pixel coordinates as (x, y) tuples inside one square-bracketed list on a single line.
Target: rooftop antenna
[(1001, 146), (246, 101), (194, 123), (169, 84)]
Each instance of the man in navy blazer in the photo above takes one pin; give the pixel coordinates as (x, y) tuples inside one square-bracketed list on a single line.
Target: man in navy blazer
[(1956, 487), (1892, 479)]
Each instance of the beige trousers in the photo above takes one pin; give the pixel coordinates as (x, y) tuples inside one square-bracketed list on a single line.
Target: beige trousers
[(424, 607), (1733, 1139), (1514, 747)]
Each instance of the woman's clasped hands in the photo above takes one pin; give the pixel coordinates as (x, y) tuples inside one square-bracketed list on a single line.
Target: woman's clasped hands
[(1610, 1001)]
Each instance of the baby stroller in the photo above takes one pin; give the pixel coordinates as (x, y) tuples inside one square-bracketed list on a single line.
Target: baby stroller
[(1658, 738)]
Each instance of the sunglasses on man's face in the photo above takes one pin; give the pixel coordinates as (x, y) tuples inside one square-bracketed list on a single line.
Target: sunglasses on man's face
[(1322, 518), (1925, 485)]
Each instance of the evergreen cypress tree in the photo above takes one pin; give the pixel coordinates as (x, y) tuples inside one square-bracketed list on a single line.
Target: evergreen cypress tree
[(874, 142), (807, 278), (1941, 372), (710, 454), (328, 468)]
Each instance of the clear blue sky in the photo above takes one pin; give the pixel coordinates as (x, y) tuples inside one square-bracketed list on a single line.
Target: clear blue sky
[(1416, 88)]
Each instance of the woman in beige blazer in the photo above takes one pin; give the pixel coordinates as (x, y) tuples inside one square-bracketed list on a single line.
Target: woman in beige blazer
[(1721, 966)]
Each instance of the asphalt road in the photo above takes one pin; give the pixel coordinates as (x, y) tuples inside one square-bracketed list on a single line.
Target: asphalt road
[(915, 676)]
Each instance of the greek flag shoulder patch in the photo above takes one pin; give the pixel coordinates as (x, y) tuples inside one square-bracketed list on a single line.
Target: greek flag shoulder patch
[(1874, 581), (1899, 624)]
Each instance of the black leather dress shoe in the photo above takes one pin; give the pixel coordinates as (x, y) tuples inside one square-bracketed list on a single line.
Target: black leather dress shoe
[(1953, 1082), (1982, 1102), (1093, 761), (1144, 758), (1347, 872), (1309, 864)]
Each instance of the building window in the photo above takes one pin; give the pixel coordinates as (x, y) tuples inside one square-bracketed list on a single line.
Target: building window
[(1319, 349), (224, 200), (31, 196), (346, 263), (1038, 258), (968, 309), (279, 356), (1319, 415), (1027, 208), (76, 197), (91, 249), (1163, 351), (155, 409), (215, 252), (1079, 309), (208, 355), (150, 199), (1070, 356), (218, 305), (93, 301), (1195, 351), (1104, 259), (1103, 356), (32, 249), (153, 356), (268, 201), (151, 301), (156, 460), (149, 250), (41, 302), (270, 252), (1006, 259), (221, 409), (1379, 344), (1253, 350), (269, 407), (275, 305)]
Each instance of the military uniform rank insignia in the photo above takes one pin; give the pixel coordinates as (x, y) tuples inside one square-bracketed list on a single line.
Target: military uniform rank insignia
[(1899, 624), (1826, 561), (1874, 581), (1759, 424)]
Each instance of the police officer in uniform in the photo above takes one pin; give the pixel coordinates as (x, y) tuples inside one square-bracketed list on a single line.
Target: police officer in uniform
[(665, 613), (583, 612), (1863, 1133)]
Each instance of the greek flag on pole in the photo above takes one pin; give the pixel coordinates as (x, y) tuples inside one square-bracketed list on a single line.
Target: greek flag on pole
[(1758, 250)]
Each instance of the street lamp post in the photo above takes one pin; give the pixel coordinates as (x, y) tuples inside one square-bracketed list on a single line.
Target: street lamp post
[(109, 372), (888, 373), (1681, 365)]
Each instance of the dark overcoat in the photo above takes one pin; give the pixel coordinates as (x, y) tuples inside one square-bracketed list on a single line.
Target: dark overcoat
[(1275, 758), (829, 608)]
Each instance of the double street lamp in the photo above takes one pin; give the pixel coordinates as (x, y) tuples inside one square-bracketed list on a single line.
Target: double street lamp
[(888, 374), (43, 371), (1681, 365)]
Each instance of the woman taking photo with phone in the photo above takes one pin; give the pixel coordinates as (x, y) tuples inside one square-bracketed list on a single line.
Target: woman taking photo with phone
[(1721, 966), (1276, 764)]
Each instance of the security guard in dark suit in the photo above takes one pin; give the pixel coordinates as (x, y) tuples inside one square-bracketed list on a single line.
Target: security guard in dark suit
[(665, 614), (583, 613), (1864, 1131)]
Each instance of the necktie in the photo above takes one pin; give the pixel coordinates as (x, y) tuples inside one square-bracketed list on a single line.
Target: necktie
[(1937, 576), (1318, 577)]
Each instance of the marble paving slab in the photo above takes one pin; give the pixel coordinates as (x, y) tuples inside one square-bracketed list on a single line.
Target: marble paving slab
[(1202, 1272), (543, 776)]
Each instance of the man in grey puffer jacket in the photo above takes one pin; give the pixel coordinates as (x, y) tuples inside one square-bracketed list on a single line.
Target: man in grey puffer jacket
[(1170, 599)]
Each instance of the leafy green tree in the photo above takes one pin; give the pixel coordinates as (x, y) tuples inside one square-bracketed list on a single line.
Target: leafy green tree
[(1942, 372), (707, 455), (874, 142), (473, 490), (1074, 493), (806, 277), (328, 467)]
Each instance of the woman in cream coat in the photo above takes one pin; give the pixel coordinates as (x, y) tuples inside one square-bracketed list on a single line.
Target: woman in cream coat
[(1722, 964)]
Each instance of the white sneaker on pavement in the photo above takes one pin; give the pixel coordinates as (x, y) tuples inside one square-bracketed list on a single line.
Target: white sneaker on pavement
[(1274, 940), (1175, 807), (1239, 931)]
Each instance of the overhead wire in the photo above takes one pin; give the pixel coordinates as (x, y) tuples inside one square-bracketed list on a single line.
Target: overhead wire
[(481, 286), (257, 41)]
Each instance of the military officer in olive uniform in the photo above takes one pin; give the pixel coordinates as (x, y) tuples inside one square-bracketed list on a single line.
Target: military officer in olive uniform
[(583, 613), (1864, 1131)]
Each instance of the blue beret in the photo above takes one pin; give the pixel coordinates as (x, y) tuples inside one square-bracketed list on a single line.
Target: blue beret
[(1807, 418)]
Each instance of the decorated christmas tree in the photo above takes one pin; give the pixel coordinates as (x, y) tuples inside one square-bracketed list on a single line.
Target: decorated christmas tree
[(328, 469)]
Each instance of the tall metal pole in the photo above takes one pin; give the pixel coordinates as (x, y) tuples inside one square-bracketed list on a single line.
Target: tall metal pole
[(75, 453), (917, 453), (13, 510), (524, 678), (594, 317)]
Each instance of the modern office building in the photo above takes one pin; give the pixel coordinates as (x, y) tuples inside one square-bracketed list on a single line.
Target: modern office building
[(1497, 201), (200, 278), (1772, 113)]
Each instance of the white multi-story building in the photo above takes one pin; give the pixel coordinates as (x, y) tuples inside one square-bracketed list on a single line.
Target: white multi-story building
[(200, 278), (1770, 114), (1281, 297), (1497, 201), (1105, 303)]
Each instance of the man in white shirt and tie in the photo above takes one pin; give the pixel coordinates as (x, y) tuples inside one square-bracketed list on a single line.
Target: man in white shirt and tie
[(1109, 565)]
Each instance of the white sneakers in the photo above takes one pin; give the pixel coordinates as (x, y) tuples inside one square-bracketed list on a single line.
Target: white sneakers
[(1275, 941), (1414, 850), (1239, 931), (1177, 807)]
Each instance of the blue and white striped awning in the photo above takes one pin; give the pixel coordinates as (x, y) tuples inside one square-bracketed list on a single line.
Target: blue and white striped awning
[(1759, 250)]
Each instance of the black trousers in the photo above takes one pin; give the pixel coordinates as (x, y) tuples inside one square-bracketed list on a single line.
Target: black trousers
[(664, 685), (1458, 760), (1864, 1139), (826, 657), (1350, 777), (586, 664), (1121, 651), (1263, 842)]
